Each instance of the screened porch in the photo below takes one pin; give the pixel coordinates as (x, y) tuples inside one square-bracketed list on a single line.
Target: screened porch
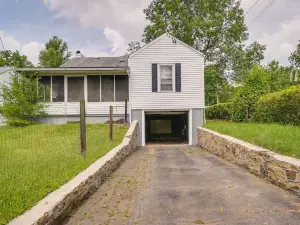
[(62, 93)]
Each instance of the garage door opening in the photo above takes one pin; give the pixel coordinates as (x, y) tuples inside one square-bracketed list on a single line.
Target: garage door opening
[(166, 127)]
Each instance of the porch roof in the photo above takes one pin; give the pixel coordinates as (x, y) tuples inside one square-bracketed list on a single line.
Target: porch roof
[(96, 62), (65, 71)]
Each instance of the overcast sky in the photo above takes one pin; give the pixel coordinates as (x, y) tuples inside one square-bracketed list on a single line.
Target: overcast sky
[(104, 27)]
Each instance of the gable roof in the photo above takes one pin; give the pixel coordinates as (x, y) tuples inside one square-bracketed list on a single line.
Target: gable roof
[(96, 62), (159, 38)]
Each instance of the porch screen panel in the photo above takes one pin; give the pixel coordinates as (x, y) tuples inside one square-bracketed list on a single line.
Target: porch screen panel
[(122, 92), (75, 89), (107, 88), (93, 88), (44, 89), (58, 91)]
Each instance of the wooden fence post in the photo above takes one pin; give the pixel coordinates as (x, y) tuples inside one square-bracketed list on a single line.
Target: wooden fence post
[(82, 127), (111, 121), (126, 103)]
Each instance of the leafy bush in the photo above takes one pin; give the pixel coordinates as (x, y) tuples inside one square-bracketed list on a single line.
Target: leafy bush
[(218, 112), (244, 100), (279, 107), (19, 99)]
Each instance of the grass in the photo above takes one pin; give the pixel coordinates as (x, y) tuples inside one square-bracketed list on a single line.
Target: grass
[(282, 139), (38, 159)]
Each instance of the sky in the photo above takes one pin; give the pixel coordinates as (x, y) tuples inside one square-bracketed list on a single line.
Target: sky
[(105, 27)]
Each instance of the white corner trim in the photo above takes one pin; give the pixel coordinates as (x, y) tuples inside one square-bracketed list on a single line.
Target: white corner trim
[(143, 129), (66, 90), (191, 127)]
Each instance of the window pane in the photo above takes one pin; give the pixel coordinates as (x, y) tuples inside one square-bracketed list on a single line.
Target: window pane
[(93, 88), (44, 88), (166, 78), (107, 88), (166, 87), (166, 72), (122, 92), (75, 89), (58, 91)]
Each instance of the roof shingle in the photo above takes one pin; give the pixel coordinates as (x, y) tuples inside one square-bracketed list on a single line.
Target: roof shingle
[(100, 62)]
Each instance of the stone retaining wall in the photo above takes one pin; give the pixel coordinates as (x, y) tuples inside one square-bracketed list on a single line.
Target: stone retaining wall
[(281, 170), (54, 208)]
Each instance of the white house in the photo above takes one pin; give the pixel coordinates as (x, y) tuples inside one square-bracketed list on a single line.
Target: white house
[(164, 82)]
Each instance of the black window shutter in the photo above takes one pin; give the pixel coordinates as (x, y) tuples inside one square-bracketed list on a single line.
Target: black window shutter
[(178, 77), (154, 77)]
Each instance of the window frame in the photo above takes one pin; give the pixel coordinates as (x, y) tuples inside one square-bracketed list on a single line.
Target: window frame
[(50, 85), (87, 91), (67, 87), (159, 77), (51, 90)]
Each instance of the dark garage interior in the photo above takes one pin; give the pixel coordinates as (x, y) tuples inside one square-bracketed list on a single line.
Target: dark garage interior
[(166, 127)]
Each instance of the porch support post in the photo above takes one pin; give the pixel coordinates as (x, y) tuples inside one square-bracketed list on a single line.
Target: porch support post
[(85, 89)]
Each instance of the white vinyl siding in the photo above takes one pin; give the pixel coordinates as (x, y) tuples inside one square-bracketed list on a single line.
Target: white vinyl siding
[(165, 52)]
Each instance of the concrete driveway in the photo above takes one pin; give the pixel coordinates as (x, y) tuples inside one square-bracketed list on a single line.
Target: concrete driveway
[(185, 185)]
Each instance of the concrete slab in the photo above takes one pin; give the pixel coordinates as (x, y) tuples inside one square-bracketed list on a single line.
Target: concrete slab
[(185, 185)]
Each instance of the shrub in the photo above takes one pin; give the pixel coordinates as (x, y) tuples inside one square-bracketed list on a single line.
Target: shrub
[(279, 107), (20, 101), (218, 112), (244, 100)]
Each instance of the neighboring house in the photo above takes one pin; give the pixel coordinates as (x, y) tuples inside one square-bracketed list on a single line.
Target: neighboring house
[(5, 73), (164, 82)]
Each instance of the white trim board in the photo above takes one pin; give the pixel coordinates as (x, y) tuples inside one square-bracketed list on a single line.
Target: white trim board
[(191, 127), (143, 129)]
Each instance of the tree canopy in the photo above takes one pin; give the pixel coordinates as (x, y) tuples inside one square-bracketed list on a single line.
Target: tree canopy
[(55, 54), (14, 59), (218, 24), (295, 57)]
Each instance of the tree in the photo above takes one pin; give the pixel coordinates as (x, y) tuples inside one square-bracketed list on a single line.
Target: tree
[(245, 98), (214, 83), (295, 57), (55, 54), (133, 46), (243, 59), (20, 102), (278, 76), (218, 24), (14, 59)]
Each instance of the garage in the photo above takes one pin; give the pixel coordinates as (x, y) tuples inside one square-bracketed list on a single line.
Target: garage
[(166, 127)]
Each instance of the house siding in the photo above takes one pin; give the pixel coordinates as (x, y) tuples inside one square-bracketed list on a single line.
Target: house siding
[(164, 51)]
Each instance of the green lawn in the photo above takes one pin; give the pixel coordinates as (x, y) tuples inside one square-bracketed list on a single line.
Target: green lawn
[(38, 159), (282, 139)]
